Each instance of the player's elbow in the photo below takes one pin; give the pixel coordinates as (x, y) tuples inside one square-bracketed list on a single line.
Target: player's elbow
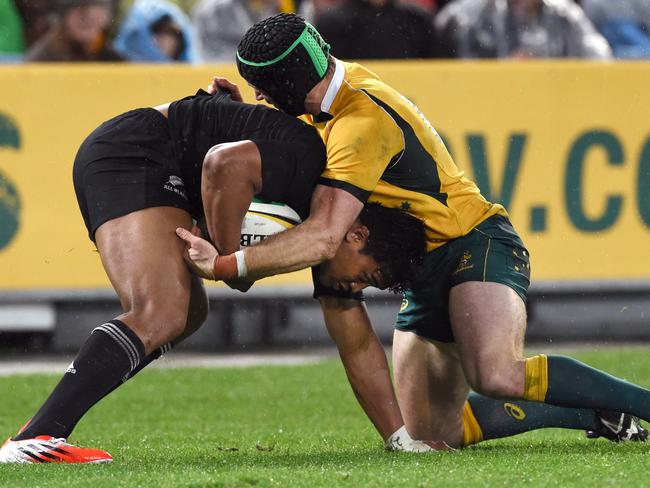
[(218, 162), (224, 162)]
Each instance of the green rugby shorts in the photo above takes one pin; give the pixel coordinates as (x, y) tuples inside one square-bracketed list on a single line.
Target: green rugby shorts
[(491, 252)]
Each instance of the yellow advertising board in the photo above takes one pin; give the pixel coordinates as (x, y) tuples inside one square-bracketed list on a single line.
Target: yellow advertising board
[(565, 146)]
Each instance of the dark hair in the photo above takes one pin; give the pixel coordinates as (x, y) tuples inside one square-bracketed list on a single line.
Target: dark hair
[(167, 25), (284, 57), (397, 240)]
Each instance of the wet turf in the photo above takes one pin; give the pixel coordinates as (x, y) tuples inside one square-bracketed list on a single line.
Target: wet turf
[(298, 426)]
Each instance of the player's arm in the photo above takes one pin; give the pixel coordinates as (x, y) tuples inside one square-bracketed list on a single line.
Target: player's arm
[(332, 213), (359, 149), (364, 360), (231, 175), (224, 84), (367, 370)]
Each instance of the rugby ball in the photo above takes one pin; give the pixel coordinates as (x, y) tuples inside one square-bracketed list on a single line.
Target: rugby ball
[(264, 219)]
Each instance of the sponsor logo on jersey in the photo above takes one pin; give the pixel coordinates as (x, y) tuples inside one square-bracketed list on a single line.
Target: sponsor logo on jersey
[(176, 185), (405, 304)]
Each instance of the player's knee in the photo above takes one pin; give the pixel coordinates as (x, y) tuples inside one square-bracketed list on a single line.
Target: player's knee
[(157, 323), (498, 382)]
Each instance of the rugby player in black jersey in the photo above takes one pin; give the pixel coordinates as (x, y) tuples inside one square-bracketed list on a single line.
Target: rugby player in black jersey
[(139, 177)]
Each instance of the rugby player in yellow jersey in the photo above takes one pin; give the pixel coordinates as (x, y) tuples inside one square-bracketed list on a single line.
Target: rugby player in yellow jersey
[(462, 323)]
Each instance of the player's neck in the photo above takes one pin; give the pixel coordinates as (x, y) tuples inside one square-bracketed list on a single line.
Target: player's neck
[(314, 98)]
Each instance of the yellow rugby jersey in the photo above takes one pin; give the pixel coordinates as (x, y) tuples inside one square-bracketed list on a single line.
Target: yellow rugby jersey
[(381, 148)]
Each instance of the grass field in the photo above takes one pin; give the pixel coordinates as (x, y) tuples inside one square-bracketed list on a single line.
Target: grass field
[(299, 426)]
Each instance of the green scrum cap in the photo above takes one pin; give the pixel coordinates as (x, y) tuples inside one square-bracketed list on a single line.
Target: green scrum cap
[(283, 56)]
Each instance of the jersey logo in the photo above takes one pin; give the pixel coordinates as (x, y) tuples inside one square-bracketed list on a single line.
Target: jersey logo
[(176, 185), (405, 205), (515, 411), (465, 262)]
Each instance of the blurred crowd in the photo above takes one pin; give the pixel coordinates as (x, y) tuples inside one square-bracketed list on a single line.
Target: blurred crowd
[(209, 30)]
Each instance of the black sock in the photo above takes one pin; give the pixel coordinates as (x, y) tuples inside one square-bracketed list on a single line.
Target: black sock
[(110, 354), (164, 349)]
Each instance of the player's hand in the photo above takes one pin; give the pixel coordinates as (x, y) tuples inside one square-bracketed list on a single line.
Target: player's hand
[(222, 84), (199, 254), (402, 441)]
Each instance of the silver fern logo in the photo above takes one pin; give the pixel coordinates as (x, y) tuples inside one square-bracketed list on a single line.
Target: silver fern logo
[(175, 185)]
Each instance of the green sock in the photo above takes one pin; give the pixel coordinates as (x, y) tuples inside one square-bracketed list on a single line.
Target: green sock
[(498, 418), (574, 384)]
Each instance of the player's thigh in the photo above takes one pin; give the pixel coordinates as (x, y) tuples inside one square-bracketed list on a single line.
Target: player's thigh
[(489, 323), (487, 311), (487, 318), (143, 258), (431, 387)]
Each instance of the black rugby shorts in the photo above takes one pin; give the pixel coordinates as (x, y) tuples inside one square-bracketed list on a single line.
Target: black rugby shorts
[(127, 164)]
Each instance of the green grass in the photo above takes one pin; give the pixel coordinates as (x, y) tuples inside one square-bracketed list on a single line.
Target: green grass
[(298, 426)]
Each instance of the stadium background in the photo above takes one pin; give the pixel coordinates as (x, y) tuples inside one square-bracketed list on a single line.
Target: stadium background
[(563, 145)]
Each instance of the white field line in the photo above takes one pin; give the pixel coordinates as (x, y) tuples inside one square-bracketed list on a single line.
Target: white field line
[(27, 365), (170, 361)]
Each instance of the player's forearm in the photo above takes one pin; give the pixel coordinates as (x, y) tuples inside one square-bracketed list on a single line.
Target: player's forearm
[(365, 362), (229, 179), (369, 376), (332, 213), (301, 247), (225, 208)]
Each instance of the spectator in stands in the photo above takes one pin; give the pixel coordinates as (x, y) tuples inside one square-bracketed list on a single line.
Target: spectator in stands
[(12, 43), (220, 24), (35, 16), (518, 29), (77, 33), (624, 23), (377, 29), (156, 31)]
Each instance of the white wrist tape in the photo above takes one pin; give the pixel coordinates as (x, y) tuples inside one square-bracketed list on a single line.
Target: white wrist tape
[(242, 270), (399, 439)]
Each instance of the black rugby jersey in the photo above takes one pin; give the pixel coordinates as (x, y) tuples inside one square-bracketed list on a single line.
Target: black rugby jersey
[(293, 154)]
